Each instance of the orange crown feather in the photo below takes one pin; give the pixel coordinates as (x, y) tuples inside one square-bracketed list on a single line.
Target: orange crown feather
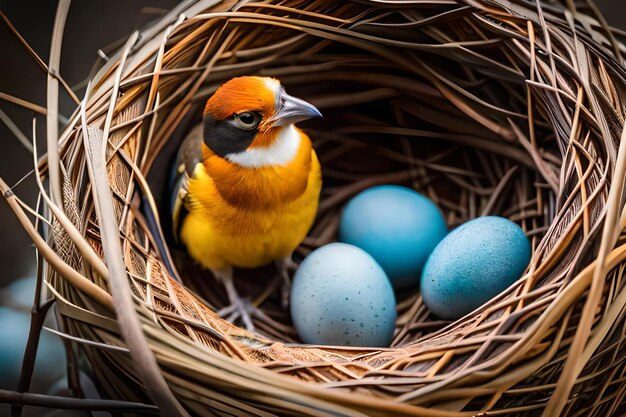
[(244, 94)]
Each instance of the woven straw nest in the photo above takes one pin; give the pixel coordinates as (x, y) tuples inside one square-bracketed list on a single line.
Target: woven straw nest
[(488, 107)]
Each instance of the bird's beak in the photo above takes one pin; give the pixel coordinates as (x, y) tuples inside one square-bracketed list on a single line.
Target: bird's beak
[(294, 110)]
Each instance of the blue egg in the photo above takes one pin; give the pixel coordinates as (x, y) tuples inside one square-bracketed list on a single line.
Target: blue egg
[(341, 296), (399, 227), (22, 292), (473, 264), (14, 328)]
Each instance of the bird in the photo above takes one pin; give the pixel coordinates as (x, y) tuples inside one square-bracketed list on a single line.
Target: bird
[(247, 183)]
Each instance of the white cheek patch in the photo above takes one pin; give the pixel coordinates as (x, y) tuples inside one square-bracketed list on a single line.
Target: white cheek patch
[(273, 85), (281, 152)]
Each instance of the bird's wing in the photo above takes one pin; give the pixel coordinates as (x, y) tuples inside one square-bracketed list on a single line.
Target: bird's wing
[(189, 155)]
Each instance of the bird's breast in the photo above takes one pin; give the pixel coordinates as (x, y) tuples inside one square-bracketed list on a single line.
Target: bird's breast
[(248, 217), (260, 186)]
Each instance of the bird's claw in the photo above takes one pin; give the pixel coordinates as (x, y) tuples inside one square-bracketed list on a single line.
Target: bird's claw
[(243, 309)]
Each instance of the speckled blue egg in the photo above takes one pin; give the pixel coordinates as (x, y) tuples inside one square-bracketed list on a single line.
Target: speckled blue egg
[(341, 296), (399, 227), (473, 264)]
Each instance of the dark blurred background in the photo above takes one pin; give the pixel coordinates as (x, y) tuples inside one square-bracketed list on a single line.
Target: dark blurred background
[(90, 26)]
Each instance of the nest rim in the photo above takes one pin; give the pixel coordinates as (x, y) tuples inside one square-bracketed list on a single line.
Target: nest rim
[(120, 116)]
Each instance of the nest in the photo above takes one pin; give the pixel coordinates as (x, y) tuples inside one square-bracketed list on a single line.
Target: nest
[(487, 107)]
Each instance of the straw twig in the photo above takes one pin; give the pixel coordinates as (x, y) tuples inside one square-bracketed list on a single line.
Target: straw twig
[(503, 107), (52, 125), (65, 403)]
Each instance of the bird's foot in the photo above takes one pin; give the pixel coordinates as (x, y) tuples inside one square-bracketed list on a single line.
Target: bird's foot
[(286, 267), (288, 263), (240, 308), (285, 293)]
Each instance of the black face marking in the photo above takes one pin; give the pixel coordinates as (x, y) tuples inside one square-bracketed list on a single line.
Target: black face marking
[(224, 136)]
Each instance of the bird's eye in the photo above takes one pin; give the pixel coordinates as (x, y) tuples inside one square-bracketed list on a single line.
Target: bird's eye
[(247, 120)]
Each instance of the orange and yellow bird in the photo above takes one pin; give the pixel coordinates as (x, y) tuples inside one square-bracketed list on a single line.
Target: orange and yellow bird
[(248, 182)]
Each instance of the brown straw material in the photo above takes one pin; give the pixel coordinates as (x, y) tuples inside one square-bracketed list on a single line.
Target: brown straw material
[(501, 107)]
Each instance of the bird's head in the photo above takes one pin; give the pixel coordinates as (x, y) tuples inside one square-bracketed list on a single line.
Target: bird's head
[(248, 115)]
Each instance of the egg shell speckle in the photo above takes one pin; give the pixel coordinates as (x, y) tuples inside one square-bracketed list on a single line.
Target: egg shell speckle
[(341, 296), (473, 264), (398, 226)]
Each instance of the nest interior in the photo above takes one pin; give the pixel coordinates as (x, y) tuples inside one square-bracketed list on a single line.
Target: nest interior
[(485, 107), (389, 118)]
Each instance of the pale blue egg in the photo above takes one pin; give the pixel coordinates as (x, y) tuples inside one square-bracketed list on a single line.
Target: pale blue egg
[(341, 296), (473, 264), (14, 328), (399, 227), (22, 292)]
